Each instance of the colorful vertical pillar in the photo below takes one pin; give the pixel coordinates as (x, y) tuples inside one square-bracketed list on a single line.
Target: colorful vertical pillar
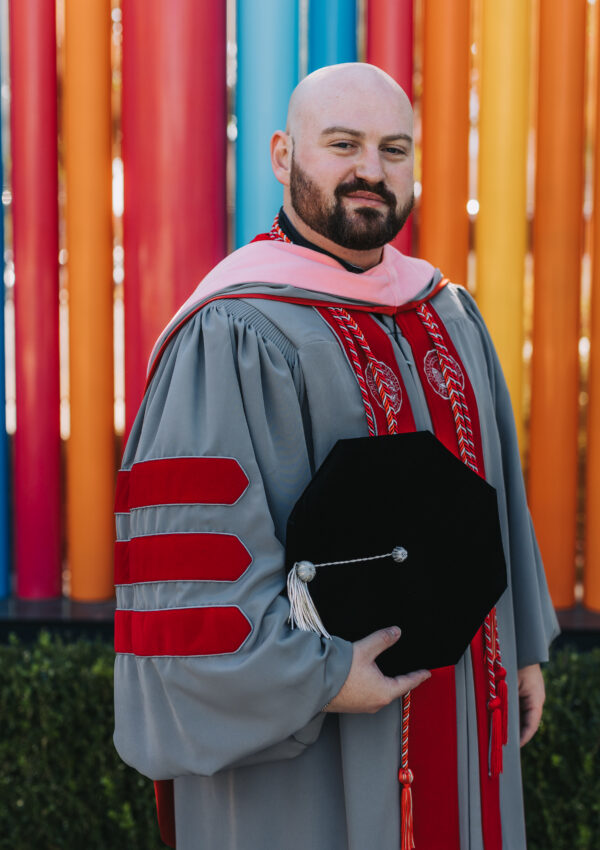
[(331, 32), (557, 241), (501, 223), (267, 36), (444, 224), (591, 578), (390, 47), (174, 143), (4, 476), (32, 32), (87, 136)]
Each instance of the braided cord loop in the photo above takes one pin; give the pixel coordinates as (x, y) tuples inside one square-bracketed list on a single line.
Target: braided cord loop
[(276, 233), (339, 315)]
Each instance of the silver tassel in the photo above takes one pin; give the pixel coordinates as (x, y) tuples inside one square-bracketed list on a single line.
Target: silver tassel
[(303, 613)]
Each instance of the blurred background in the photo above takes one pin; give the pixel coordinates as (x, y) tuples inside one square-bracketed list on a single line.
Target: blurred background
[(135, 156)]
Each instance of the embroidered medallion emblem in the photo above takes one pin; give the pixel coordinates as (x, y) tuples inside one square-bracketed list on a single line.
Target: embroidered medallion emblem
[(391, 384), (433, 372)]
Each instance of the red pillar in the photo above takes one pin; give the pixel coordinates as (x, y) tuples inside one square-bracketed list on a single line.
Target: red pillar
[(32, 32), (174, 145), (390, 47)]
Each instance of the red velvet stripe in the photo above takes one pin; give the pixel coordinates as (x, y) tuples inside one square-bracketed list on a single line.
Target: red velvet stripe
[(122, 492), (181, 631), (165, 810), (186, 480), (445, 430), (432, 754), (181, 557), (430, 373)]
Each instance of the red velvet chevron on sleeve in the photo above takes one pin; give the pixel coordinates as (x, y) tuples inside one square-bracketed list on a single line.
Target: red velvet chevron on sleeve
[(180, 557), (180, 481), (210, 630)]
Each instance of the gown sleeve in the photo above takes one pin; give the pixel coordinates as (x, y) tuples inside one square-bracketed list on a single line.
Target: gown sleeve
[(535, 621), (208, 673)]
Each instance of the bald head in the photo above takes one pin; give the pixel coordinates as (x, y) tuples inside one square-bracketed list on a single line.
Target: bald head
[(346, 160), (329, 92)]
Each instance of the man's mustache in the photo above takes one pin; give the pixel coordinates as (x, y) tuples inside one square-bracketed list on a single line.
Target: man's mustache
[(360, 185)]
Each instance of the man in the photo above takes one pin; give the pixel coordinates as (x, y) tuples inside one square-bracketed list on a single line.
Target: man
[(275, 737)]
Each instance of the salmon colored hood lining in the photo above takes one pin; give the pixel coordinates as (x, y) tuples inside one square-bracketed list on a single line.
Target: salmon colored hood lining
[(395, 281)]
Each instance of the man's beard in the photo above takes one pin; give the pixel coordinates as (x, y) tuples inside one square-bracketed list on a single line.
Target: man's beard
[(361, 230)]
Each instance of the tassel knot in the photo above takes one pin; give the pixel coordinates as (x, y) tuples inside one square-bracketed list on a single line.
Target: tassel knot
[(406, 776), (303, 613)]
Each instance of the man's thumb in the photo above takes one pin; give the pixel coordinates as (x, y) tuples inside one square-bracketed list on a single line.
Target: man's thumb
[(375, 643)]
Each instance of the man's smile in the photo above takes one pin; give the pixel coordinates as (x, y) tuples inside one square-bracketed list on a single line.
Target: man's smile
[(367, 199)]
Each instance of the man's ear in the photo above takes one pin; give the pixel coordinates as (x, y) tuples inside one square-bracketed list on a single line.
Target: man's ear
[(281, 156)]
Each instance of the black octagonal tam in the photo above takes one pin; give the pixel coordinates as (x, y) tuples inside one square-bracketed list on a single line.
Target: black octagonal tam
[(408, 498)]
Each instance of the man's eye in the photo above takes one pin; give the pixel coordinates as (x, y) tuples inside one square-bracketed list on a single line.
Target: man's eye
[(395, 151), (343, 145)]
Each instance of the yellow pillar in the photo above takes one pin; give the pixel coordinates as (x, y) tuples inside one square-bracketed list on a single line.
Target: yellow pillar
[(501, 222), (90, 460)]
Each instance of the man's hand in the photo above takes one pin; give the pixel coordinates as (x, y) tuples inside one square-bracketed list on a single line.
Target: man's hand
[(532, 694), (366, 690)]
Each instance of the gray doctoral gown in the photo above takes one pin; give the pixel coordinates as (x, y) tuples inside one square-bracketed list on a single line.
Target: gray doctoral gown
[(256, 764)]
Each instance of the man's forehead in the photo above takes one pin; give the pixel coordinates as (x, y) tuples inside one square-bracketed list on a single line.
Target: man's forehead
[(353, 96)]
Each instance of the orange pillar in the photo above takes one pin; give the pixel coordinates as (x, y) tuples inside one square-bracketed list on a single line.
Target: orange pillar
[(90, 460), (557, 239), (444, 224), (591, 586)]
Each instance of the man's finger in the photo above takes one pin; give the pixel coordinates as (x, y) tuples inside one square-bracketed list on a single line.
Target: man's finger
[(407, 682), (530, 720), (375, 643)]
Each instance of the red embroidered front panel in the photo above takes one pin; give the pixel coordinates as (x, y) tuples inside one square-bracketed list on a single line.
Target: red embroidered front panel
[(453, 408), (181, 557), (186, 480), (430, 372), (380, 357), (181, 631)]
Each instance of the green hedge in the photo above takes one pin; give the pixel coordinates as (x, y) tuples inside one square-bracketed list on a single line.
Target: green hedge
[(561, 765), (62, 786)]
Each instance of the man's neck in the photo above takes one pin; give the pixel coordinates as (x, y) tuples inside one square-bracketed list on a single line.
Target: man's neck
[(358, 259)]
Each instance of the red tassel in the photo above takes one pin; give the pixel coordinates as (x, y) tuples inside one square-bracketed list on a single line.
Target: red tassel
[(502, 692), (405, 775), (495, 737)]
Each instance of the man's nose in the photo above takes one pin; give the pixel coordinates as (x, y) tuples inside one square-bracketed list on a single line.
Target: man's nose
[(369, 165)]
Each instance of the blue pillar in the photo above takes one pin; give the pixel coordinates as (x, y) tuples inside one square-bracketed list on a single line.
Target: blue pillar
[(267, 37), (331, 32)]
